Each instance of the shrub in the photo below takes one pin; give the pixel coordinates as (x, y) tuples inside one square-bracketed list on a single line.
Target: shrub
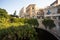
[(18, 32), (48, 23)]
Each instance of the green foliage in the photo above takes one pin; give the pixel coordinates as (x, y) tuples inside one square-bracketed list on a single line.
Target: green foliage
[(48, 23), (22, 20), (9, 30), (33, 22), (3, 13), (12, 28), (22, 32)]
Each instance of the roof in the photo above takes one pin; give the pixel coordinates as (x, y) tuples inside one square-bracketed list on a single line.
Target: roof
[(55, 2)]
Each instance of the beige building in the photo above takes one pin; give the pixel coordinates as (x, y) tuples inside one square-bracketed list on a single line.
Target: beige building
[(31, 11), (40, 14), (22, 13)]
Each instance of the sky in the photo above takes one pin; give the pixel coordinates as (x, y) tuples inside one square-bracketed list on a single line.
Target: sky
[(12, 5)]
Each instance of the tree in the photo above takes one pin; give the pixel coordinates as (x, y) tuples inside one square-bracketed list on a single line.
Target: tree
[(33, 22), (15, 13), (3, 13), (48, 23)]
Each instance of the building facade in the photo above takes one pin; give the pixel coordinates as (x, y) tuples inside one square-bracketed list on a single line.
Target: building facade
[(31, 11), (53, 12), (22, 13), (55, 3), (40, 14)]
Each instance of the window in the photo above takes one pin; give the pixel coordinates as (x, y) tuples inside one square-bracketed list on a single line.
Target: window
[(33, 16), (38, 13), (32, 7), (48, 17), (54, 17), (59, 17), (38, 17), (59, 24), (42, 17), (48, 12), (58, 10)]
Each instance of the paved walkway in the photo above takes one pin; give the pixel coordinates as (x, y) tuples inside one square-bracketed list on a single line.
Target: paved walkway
[(44, 34), (57, 34)]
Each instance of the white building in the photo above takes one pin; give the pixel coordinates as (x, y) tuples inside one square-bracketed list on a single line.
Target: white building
[(55, 3), (53, 12), (22, 13)]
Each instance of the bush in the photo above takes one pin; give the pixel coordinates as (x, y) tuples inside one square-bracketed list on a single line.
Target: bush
[(16, 28), (18, 32), (48, 23)]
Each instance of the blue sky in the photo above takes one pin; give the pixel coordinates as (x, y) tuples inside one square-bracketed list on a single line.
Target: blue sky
[(12, 5)]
